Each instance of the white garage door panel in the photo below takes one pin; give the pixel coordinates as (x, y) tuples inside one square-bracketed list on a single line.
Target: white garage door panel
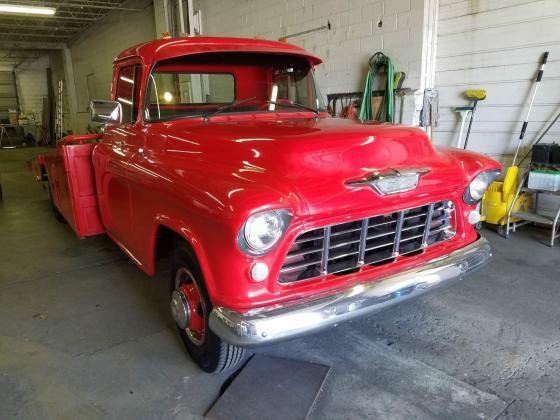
[(497, 74), (514, 35), (489, 144), (528, 54), (506, 93), (453, 8), (494, 18), (497, 114), (496, 45), (8, 94)]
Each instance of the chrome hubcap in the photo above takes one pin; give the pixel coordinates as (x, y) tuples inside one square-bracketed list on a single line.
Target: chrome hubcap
[(186, 302), (180, 309)]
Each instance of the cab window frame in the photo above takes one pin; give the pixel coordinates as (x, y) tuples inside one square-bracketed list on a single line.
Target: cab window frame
[(137, 70), (199, 72)]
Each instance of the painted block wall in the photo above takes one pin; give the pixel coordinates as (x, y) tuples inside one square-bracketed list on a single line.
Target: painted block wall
[(359, 29), (497, 45), (94, 51)]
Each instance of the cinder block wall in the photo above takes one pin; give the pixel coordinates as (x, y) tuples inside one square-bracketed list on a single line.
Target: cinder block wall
[(359, 29), (94, 51)]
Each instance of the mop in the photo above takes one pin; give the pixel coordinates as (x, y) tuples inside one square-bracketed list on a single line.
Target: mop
[(498, 200)]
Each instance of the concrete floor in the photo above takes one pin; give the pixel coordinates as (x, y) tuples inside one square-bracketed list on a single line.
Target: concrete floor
[(85, 334)]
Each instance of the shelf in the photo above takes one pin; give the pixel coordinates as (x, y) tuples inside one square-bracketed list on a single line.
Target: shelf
[(531, 217)]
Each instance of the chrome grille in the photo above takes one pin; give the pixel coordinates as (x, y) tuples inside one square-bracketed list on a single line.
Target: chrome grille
[(343, 248)]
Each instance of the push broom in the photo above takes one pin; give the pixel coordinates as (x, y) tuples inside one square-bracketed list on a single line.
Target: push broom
[(474, 95)]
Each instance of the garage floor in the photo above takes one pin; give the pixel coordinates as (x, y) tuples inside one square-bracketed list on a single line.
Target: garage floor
[(85, 334)]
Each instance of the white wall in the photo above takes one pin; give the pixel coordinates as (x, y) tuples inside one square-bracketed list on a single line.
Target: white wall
[(31, 81), (345, 49), (94, 51), (497, 45)]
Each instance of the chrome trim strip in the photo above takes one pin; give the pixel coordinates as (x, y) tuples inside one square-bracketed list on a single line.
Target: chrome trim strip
[(363, 240), (305, 316), (326, 246), (398, 233)]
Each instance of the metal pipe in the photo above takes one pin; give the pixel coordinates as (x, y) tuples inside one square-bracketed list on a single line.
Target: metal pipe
[(526, 122), (77, 5), (181, 17), (190, 12)]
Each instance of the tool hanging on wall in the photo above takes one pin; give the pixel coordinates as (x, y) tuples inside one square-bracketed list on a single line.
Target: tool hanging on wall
[(376, 63), (474, 95), (464, 111), (309, 31), (429, 116), (526, 122)]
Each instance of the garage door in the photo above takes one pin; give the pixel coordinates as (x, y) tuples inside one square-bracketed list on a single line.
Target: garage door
[(497, 45), (8, 94)]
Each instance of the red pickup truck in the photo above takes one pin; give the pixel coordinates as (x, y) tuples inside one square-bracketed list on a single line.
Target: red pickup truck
[(278, 220)]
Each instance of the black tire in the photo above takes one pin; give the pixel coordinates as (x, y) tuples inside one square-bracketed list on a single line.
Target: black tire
[(57, 214), (208, 351)]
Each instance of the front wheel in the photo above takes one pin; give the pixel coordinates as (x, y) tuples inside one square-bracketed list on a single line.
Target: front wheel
[(190, 308)]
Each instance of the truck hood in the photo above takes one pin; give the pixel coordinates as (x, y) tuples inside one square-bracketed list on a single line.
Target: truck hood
[(311, 158)]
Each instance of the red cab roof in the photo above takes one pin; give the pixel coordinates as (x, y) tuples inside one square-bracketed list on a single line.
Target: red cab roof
[(162, 49)]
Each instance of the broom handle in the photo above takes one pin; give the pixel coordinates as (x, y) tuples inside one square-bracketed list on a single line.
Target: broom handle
[(541, 137), (470, 124), (526, 122)]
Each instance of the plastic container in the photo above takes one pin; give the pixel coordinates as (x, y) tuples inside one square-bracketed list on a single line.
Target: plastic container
[(544, 180), (547, 204)]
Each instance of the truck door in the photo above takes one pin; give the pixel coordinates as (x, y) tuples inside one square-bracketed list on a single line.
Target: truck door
[(120, 143)]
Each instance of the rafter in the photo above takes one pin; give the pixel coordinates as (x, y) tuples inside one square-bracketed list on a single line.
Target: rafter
[(72, 17), (78, 5), (38, 28), (32, 35)]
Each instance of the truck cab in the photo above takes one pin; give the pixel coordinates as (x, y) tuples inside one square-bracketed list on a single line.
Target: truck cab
[(279, 220)]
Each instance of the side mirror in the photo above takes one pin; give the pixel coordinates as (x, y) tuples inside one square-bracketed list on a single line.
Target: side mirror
[(106, 111)]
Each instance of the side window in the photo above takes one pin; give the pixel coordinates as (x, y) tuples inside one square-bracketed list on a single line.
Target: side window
[(128, 91)]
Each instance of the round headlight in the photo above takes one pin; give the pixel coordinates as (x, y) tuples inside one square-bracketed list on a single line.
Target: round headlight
[(263, 230), (478, 186)]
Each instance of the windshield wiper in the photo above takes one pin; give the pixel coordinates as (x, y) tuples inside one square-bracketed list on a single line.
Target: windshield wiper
[(295, 105), (228, 106)]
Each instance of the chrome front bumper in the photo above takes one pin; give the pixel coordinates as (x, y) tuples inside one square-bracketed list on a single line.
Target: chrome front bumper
[(295, 318)]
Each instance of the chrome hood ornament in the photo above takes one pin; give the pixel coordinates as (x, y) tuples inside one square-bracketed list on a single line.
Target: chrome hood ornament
[(392, 181)]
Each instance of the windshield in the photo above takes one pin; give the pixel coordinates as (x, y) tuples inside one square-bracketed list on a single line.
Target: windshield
[(230, 84)]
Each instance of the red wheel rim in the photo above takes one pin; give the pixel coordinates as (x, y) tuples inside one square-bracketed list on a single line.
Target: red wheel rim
[(196, 327)]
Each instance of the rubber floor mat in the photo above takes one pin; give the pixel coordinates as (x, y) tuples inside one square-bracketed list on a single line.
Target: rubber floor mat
[(272, 388)]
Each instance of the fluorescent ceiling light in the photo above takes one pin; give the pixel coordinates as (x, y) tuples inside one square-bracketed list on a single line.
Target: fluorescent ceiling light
[(26, 10)]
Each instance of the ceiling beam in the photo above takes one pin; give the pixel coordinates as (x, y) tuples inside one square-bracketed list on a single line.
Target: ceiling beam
[(67, 24), (31, 45), (81, 5), (28, 34), (54, 19), (38, 28)]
